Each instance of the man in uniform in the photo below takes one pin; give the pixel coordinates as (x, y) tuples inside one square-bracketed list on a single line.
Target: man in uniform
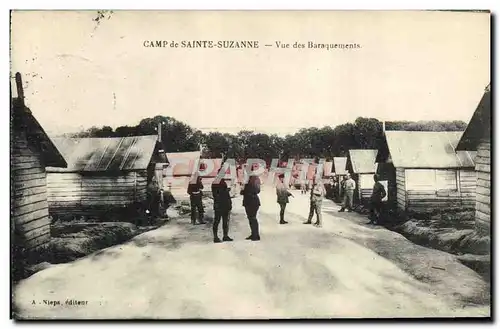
[(195, 197), (317, 194), (349, 187), (378, 194), (152, 197), (251, 202), (342, 189), (167, 200), (283, 195), (222, 208)]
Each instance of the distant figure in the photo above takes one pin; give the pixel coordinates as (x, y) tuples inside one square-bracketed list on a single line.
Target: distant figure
[(152, 198), (376, 205), (317, 194), (167, 200), (303, 187), (329, 188), (335, 187), (195, 198), (342, 188), (349, 187), (251, 202), (283, 195), (222, 209)]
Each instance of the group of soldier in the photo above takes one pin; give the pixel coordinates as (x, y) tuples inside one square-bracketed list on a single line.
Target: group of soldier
[(223, 206), (348, 187), (251, 202)]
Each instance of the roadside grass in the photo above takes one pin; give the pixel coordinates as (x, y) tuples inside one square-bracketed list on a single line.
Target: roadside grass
[(450, 230)]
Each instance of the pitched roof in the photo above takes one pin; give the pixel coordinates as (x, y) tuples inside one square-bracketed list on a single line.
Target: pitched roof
[(22, 119), (363, 161), (213, 164), (182, 163), (107, 154), (339, 165), (479, 126), (427, 149)]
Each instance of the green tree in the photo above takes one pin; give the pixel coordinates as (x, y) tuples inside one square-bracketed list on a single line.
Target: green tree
[(367, 133), (216, 144)]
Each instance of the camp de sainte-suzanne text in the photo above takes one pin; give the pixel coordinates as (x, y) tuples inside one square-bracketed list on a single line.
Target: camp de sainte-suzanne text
[(200, 44), (241, 44)]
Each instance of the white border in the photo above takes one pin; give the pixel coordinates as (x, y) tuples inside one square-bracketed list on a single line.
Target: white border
[(187, 4), (255, 4)]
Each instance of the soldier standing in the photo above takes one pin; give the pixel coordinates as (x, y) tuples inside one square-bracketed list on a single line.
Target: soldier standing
[(317, 194), (195, 197), (342, 189), (222, 208), (378, 194), (152, 197), (167, 199), (283, 197), (349, 187), (251, 202)]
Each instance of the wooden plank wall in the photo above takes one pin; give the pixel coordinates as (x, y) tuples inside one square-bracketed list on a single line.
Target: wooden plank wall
[(64, 192), (76, 193), (141, 183), (468, 182), (401, 188), (483, 195), (448, 196), (426, 201), (357, 191), (29, 208), (364, 188)]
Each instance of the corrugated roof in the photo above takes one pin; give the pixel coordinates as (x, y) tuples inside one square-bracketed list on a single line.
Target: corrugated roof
[(107, 154), (479, 126), (339, 165), (182, 163), (363, 161), (427, 149)]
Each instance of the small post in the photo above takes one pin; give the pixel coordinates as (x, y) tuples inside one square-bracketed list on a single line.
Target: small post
[(159, 132), (19, 85), (383, 127)]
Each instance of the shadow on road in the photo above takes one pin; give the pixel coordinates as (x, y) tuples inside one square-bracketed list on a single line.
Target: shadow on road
[(183, 232)]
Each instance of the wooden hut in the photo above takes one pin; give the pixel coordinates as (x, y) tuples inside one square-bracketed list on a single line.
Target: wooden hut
[(209, 169), (340, 166), (424, 171), (328, 169), (477, 137), (103, 174), (162, 164), (362, 166), (181, 166), (339, 170), (31, 151)]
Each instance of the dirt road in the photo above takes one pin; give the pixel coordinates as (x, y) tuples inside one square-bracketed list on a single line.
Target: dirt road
[(345, 269)]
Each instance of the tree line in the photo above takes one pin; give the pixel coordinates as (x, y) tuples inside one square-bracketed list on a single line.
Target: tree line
[(326, 142)]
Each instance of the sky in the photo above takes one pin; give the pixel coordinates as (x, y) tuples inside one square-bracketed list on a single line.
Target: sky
[(410, 66)]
